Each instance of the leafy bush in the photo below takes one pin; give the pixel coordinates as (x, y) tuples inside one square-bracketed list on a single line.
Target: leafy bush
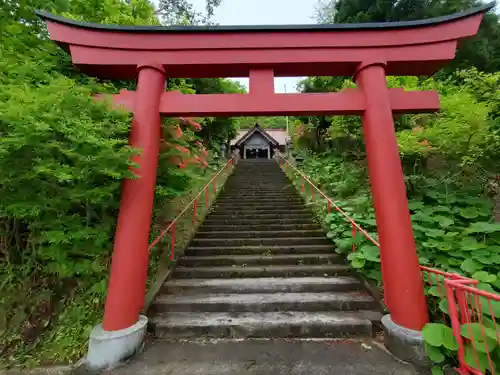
[(454, 232), (62, 157)]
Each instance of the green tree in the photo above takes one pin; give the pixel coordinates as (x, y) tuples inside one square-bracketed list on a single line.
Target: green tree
[(273, 122), (182, 12), (481, 52), (62, 156)]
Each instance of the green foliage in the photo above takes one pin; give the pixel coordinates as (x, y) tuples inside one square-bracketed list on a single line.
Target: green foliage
[(482, 52), (182, 12), (479, 339), (276, 122), (449, 160), (63, 156)]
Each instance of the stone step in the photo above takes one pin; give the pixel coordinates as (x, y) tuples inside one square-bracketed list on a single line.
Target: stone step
[(258, 197), (259, 209), (262, 285), (229, 234), (256, 218), (269, 194), (285, 324), (254, 181), (212, 242), (213, 220), (263, 202), (259, 206), (260, 266), (257, 227), (258, 187), (265, 259), (267, 302), (231, 250), (225, 272), (286, 191), (248, 186)]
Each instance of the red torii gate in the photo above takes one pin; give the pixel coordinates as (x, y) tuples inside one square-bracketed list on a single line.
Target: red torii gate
[(368, 52)]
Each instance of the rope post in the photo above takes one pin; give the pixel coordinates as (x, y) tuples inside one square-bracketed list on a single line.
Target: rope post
[(172, 242), (215, 185), (312, 193), (206, 197), (303, 188)]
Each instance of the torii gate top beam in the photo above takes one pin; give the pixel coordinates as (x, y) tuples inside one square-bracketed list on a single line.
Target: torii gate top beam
[(409, 48)]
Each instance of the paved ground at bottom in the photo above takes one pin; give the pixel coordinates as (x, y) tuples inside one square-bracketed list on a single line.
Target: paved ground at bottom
[(269, 357)]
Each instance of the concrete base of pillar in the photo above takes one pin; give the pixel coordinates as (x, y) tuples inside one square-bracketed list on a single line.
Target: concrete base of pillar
[(406, 344), (108, 349)]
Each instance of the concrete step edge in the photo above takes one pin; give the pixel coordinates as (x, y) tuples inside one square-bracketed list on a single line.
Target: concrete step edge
[(252, 247), (266, 325), (263, 298), (222, 318)]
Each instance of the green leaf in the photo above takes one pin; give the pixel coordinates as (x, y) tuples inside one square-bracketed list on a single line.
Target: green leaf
[(435, 233), (436, 291), (371, 252), (470, 265), (470, 243), (356, 255), (358, 263), (344, 244), (449, 340), (476, 359), (483, 227), (419, 228), (444, 221), (469, 212), (422, 217), (434, 353), (434, 334), (436, 370), (483, 338), (484, 276), (423, 261), (415, 205), (443, 306)]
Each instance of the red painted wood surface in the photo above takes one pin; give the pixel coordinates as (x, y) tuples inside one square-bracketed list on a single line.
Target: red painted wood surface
[(129, 265), (348, 102), (115, 53)]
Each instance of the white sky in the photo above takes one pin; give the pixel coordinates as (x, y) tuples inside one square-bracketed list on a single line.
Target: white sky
[(264, 12)]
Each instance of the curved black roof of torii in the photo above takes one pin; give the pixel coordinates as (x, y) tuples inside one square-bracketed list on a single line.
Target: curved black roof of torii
[(266, 28)]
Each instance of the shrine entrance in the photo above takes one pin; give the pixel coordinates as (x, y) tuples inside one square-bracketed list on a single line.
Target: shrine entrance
[(257, 143), (367, 52)]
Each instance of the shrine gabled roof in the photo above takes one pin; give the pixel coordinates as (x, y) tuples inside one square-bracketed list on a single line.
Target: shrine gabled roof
[(252, 131), (269, 28)]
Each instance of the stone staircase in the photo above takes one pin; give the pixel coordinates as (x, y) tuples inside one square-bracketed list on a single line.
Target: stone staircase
[(260, 267)]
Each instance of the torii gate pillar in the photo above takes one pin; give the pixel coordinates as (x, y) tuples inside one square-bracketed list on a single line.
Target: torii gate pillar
[(403, 288), (127, 283)]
